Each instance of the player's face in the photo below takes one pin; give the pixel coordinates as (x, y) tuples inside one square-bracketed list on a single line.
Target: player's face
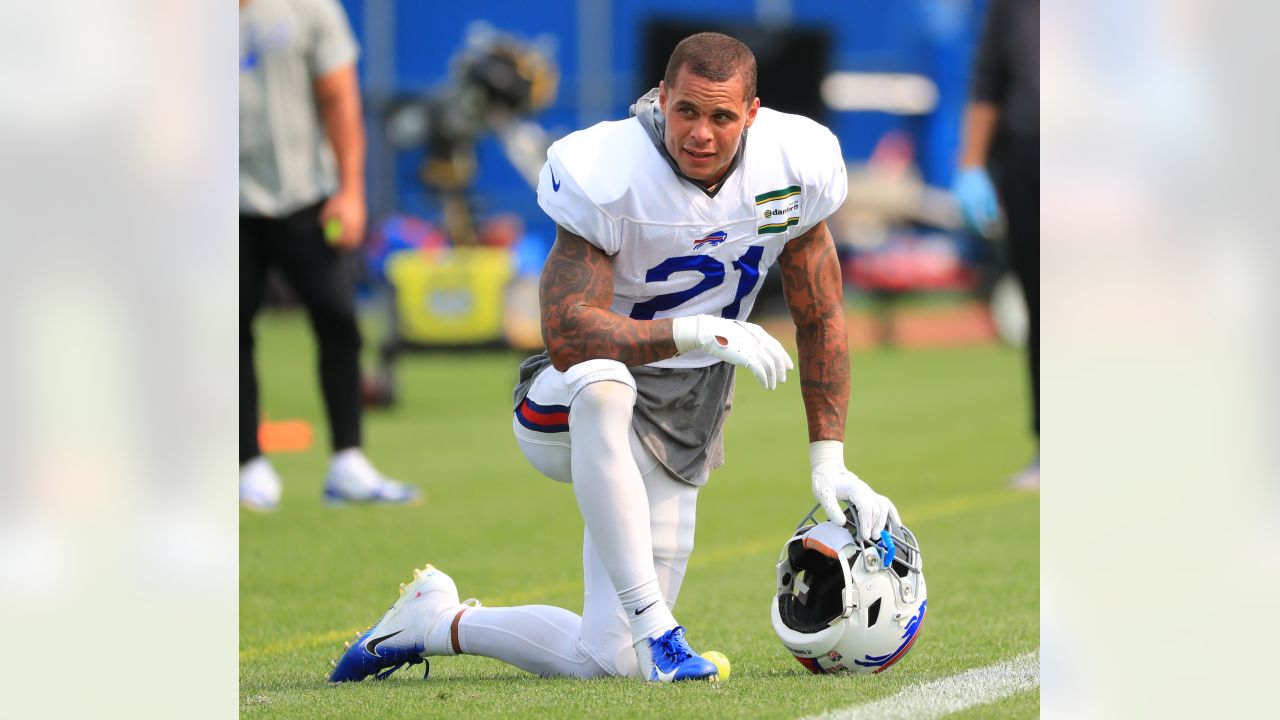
[(705, 120)]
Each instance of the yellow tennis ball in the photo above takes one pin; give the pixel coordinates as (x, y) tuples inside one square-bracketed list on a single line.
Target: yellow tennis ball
[(333, 230), (721, 662)]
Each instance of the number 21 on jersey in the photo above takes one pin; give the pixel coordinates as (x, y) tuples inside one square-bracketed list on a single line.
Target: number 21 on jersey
[(712, 271)]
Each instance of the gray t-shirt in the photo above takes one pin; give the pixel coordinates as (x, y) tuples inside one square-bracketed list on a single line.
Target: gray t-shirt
[(286, 162)]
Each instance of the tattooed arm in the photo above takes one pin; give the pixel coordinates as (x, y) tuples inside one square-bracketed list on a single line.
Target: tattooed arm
[(811, 282), (575, 292)]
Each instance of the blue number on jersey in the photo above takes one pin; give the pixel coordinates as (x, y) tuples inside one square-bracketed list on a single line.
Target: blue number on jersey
[(748, 267), (712, 275)]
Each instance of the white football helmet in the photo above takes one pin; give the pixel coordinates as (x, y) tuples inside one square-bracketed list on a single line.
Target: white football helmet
[(844, 605)]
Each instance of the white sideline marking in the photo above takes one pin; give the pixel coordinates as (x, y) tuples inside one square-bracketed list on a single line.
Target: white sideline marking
[(952, 694)]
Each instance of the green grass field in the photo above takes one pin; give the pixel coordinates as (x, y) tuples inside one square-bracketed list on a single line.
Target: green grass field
[(938, 431)]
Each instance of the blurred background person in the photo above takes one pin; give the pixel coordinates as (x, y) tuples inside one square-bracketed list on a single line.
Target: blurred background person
[(1002, 132), (299, 111)]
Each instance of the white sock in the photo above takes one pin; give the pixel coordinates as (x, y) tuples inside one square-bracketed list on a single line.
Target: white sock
[(540, 639), (439, 640), (611, 497), (647, 610)]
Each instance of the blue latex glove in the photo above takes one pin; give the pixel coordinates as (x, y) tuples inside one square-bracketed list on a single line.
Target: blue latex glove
[(977, 198)]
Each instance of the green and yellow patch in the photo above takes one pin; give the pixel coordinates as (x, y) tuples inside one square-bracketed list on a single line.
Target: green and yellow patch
[(778, 226), (782, 194), (779, 210)]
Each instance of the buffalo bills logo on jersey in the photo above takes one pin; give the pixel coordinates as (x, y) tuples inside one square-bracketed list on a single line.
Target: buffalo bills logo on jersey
[(712, 240)]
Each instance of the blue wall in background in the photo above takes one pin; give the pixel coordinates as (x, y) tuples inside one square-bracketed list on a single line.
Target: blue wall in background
[(930, 37)]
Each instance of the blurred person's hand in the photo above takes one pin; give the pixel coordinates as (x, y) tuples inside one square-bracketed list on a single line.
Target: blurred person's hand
[(977, 198), (343, 217)]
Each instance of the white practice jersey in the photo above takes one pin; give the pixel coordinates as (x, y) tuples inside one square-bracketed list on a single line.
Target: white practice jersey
[(677, 252)]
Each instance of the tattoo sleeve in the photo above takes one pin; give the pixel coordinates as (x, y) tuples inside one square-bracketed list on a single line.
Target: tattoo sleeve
[(575, 292), (811, 282)]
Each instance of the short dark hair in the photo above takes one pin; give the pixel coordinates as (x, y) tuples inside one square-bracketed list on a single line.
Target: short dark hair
[(715, 57)]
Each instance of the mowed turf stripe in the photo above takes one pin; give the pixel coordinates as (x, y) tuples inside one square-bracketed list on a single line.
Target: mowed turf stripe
[(946, 508), (980, 686)]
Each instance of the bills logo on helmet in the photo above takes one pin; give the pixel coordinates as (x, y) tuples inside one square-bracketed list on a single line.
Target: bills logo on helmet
[(884, 662), (712, 240)]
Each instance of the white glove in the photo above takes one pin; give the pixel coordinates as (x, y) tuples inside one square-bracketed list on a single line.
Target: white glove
[(832, 482), (733, 341)]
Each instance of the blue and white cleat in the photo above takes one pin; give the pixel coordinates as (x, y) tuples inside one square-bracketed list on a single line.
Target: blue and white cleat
[(353, 479), (668, 658), (399, 636)]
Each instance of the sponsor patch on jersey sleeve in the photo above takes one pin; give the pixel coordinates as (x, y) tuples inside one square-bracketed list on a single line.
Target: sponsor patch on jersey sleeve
[(778, 210)]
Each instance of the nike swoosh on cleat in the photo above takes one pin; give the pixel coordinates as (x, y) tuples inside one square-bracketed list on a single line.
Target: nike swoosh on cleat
[(555, 184), (646, 607), (664, 676), (372, 645)]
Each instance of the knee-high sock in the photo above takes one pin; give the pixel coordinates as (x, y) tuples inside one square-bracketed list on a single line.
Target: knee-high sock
[(541, 639), (611, 497), (672, 517)]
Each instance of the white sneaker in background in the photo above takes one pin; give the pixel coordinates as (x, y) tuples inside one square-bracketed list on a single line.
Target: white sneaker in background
[(259, 486), (353, 479)]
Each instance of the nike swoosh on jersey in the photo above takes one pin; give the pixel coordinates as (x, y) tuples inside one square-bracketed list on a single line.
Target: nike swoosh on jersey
[(646, 607), (372, 645), (555, 184)]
